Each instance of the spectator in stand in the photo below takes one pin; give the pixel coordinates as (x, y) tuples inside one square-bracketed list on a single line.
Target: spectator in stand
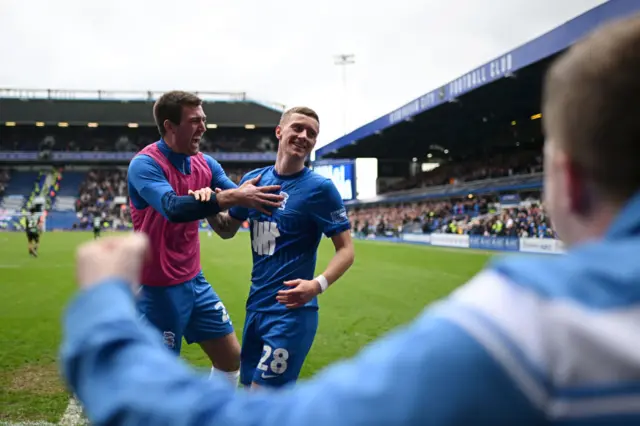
[(114, 139), (475, 216), (96, 196), (478, 168)]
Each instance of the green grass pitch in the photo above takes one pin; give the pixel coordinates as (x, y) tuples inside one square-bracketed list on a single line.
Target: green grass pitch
[(388, 285)]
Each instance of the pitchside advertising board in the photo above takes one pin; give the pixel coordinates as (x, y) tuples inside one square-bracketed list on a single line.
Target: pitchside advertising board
[(489, 242), (355, 179)]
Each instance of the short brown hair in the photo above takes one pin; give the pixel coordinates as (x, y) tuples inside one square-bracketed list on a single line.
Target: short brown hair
[(299, 110), (591, 107), (169, 107)]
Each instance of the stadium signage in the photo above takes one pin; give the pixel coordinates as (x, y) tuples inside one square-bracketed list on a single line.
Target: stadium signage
[(423, 103), (541, 245), (494, 243), (523, 245), (341, 173), (486, 73), (476, 78), (417, 238), (450, 240), (93, 156), (406, 111), (18, 156)]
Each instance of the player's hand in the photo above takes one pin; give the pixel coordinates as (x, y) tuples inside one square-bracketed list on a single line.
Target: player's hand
[(258, 197), (112, 257), (300, 293), (203, 194)]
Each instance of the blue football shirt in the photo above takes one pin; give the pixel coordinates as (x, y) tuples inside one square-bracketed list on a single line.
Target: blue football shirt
[(284, 245)]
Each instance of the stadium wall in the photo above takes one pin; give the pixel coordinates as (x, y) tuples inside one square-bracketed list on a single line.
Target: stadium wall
[(480, 242)]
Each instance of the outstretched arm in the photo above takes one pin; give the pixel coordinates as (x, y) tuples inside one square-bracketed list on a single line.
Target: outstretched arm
[(149, 181), (226, 224), (430, 373)]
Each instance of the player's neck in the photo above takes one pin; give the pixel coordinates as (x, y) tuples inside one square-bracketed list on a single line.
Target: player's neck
[(288, 166), (171, 144)]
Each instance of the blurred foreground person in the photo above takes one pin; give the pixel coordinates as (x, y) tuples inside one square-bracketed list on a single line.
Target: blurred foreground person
[(528, 341)]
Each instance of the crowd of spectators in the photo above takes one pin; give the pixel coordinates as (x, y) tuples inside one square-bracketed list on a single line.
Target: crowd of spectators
[(474, 216), (110, 139), (479, 168), (98, 197), (103, 190), (4, 180)]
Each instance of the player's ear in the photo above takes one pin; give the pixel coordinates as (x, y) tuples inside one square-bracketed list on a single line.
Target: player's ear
[(168, 126), (278, 132)]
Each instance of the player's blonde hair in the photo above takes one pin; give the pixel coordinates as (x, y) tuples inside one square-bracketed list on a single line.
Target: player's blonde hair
[(303, 110)]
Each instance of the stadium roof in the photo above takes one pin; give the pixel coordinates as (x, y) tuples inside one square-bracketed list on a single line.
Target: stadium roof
[(530, 58), (24, 106)]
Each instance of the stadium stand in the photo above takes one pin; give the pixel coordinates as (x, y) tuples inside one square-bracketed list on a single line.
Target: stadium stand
[(461, 165), (51, 124), (463, 159), (118, 139), (482, 216), (4, 180), (69, 156), (18, 189)]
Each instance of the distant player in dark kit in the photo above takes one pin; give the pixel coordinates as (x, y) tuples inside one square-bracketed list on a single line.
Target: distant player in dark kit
[(175, 296), (97, 225), (282, 308), (33, 228)]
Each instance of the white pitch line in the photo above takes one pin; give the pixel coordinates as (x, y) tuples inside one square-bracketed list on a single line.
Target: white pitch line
[(73, 414), (72, 417)]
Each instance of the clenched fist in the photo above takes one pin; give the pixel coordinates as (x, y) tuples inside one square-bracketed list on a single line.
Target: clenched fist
[(112, 257)]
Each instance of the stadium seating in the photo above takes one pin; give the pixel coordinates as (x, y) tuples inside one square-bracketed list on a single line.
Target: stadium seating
[(21, 183), (472, 170), (4, 180), (71, 181), (17, 189), (66, 196), (65, 203), (107, 139), (12, 202), (483, 216)]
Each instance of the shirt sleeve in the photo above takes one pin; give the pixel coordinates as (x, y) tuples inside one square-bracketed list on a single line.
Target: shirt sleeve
[(149, 182), (219, 178), (430, 372), (328, 210)]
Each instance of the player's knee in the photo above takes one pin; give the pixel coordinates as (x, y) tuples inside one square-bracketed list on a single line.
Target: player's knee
[(224, 352), (230, 361)]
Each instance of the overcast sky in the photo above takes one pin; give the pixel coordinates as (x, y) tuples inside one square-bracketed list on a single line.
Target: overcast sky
[(275, 50)]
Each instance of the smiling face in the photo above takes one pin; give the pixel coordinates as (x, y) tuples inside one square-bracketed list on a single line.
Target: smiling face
[(298, 133)]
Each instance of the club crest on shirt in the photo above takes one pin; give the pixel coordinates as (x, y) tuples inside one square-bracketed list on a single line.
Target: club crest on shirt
[(284, 202), (169, 339)]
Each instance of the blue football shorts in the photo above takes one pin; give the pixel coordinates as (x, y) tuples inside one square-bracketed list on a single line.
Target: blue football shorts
[(275, 345), (191, 310)]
